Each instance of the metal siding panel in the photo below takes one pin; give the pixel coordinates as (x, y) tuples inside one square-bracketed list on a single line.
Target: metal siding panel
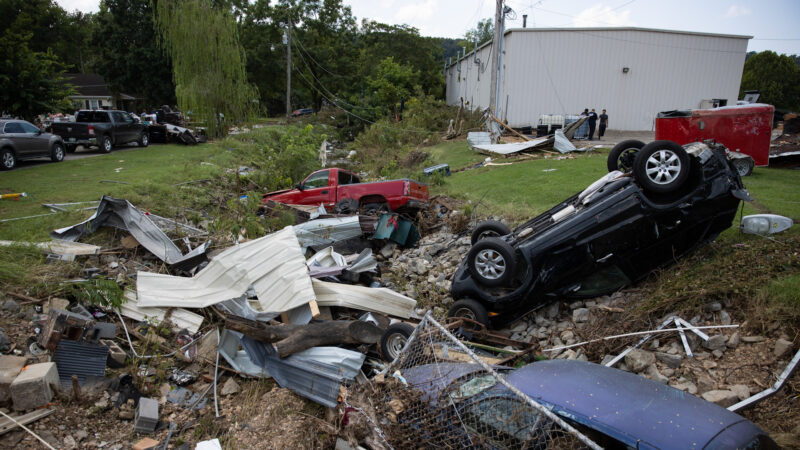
[(667, 71)]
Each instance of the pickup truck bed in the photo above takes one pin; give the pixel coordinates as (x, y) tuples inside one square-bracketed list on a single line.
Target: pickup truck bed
[(103, 129)]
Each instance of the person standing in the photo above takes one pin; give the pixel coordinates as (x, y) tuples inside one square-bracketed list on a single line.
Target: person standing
[(603, 124), (592, 123)]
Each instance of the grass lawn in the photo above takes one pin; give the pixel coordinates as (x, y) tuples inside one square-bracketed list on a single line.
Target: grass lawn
[(143, 176), (529, 187)]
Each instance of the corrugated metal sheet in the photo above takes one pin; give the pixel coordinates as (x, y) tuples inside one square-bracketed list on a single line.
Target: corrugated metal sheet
[(79, 358), (363, 298), (327, 231), (316, 373), (273, 265), (180, 317), (561, 71)]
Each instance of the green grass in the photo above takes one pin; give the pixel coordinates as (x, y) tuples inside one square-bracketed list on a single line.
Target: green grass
[(775, 191), (455, 153), (148, 176), (785, 291)]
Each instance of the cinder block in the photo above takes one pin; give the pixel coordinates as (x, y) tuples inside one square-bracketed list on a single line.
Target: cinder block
[(146, 416), (31, 389), (10, 367)]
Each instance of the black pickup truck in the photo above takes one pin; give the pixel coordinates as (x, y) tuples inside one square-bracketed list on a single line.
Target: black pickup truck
[(103, 129)]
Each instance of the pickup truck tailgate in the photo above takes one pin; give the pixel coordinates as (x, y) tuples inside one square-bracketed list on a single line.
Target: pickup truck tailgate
[(71, 131), (417, 191)]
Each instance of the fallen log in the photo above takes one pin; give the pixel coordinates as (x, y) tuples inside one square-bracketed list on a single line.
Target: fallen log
[(289, 339)]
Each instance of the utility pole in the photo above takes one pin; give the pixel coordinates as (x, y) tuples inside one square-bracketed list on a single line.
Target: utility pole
[(288, 69), (498, 16)]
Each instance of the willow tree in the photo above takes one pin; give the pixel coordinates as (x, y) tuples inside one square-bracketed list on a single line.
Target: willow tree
[(208, 64)]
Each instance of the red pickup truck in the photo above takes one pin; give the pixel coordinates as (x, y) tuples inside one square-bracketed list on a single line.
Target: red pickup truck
[(345, 191)]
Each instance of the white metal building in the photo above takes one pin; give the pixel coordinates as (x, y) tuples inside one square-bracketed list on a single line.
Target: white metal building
[(634, 73)]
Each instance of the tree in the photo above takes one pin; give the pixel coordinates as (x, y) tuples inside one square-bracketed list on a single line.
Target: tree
[(128, 55), (30, 82), (482, 33), (208, 63), (392, 83), (777, 77)]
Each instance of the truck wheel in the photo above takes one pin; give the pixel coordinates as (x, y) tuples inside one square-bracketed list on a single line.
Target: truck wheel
[(71, 148), (623, 155), (7, 159), (489, 228), (106, 145), (492, 261), (57, 152), (469, 309), (144, 139), (374, 209), (661, 167), (394, 340)]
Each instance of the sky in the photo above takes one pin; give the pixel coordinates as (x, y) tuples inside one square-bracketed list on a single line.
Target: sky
[(772, 23)]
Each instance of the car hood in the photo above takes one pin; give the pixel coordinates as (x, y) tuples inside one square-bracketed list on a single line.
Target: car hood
[(628, 407)]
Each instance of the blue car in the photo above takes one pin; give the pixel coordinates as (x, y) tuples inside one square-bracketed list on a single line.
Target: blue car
[(616, 409)]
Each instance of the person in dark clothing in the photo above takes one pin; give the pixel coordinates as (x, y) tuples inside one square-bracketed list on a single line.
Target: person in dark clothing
[(603, 124), (592, 123)]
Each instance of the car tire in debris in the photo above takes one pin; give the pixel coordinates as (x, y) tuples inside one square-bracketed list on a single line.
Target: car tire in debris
[(374, 209), (489, 228), (144, 140), (469, 309), (623, 155), (394, 340), (492, 261), (106, 145), (744, 166), (346, 206), (661, 167), (7, 159)]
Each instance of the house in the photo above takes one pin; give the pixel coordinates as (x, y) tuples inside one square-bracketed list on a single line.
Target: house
[(634, 73), (92, 92)]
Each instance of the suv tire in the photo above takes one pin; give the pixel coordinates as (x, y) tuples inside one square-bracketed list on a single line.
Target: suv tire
[(661, 167), (144, 139), (492, 261), (7, 159), (489, 228), (57, 152), (469, 309), (623, 155)]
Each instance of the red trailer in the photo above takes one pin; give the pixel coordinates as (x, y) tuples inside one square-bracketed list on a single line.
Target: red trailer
[(744, 128)]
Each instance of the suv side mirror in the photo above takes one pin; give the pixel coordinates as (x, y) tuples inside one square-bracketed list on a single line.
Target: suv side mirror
[(299, 186)]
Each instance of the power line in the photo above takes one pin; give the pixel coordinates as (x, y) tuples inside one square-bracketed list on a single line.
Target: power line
[(315, 61)]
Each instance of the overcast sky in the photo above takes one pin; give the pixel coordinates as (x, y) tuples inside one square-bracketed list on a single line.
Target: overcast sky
[(773, 23)]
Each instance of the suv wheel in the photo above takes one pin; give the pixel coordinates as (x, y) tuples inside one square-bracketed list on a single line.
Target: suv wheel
[(57, 153), (489, 228), (469, 309), (106, 145), (492, 261), (661, 167), (7, 159), (623, 155), (144, 140)]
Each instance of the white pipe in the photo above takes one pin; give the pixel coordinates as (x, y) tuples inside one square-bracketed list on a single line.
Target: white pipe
[(638, 333)]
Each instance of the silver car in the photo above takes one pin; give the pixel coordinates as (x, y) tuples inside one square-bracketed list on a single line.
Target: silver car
[(21, 140)]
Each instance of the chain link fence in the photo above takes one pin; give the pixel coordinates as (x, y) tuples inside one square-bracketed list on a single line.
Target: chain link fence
[(440, 394)]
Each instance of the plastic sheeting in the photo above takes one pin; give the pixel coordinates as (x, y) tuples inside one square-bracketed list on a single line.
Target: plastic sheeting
[(119, 213), (273, 265)]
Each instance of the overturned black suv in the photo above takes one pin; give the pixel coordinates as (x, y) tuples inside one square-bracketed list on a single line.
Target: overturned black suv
[(666, 201)]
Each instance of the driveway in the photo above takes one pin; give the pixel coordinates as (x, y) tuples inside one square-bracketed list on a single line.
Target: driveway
[(80, 153)]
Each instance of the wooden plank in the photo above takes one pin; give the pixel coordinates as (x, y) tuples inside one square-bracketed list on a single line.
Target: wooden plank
[(7, 425), (315, 312)]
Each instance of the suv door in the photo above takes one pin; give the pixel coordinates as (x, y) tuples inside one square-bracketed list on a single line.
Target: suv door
[(122, 132), (39, 141), (23, 143)]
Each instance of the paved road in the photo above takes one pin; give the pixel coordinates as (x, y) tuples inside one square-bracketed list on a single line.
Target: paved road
[(81, 153)]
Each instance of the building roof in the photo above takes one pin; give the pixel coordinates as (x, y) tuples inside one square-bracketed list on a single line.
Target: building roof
[(88, 84), (587, 30)]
